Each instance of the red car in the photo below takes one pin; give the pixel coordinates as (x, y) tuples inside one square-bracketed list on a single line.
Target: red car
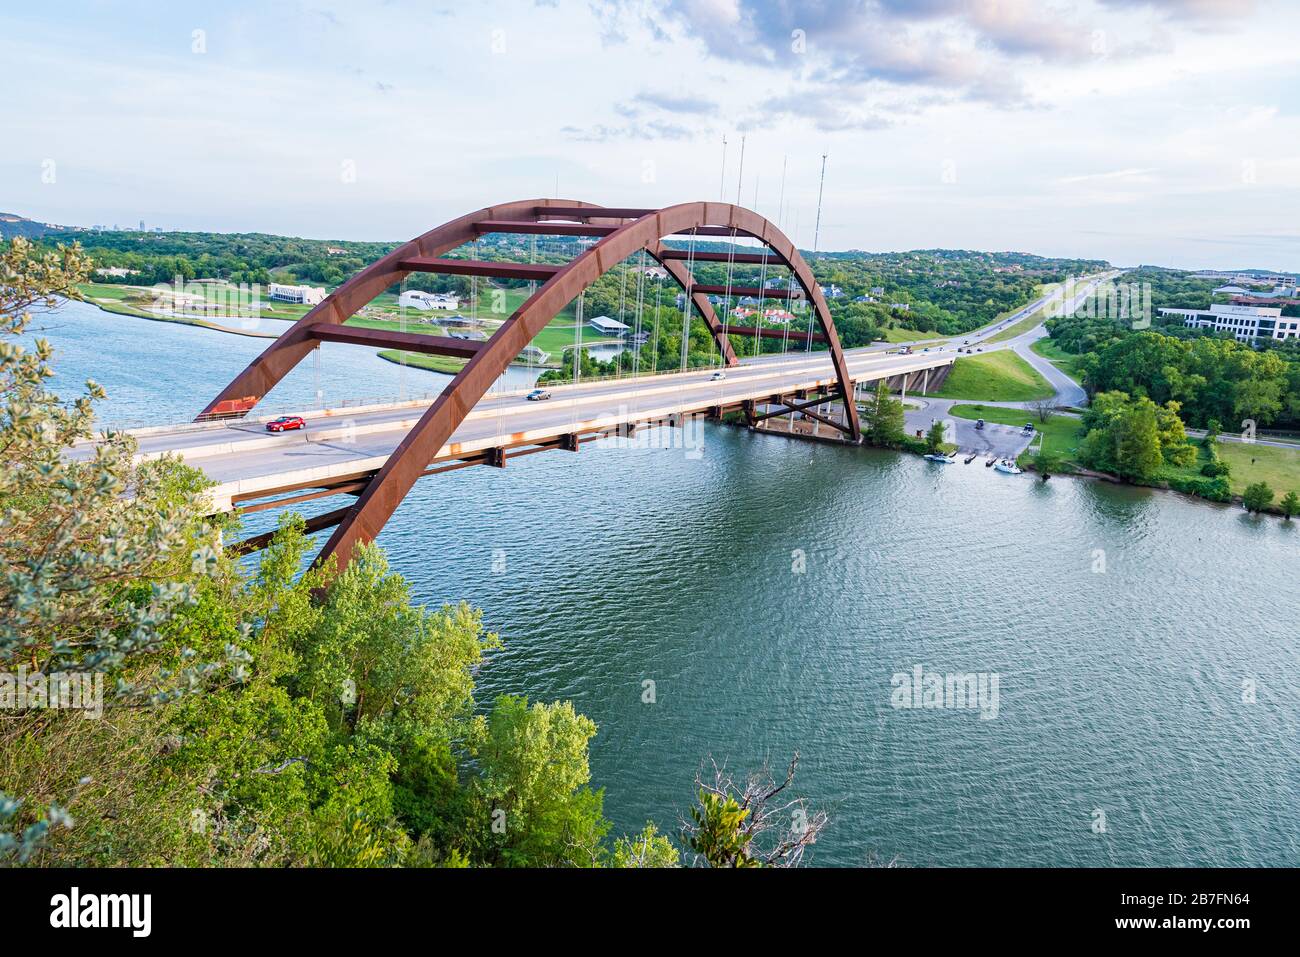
[(286, 422)]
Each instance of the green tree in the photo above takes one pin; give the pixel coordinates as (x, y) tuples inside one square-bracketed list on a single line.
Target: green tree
[(100, 557), (1137, 453), (1257, 497), (647, 849), (719, 835), (751, 823), (95, 549), (1133, 437), (1046, 463), (934, 437), (882, 419), (535, 805), (1290, 504)]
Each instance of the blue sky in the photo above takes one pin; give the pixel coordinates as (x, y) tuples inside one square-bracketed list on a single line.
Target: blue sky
[(1162, 131)]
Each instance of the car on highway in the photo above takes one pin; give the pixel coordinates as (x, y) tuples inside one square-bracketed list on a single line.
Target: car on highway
[(1028, 429), (286, 423), (979, 423), (538, 395), (717, 377)]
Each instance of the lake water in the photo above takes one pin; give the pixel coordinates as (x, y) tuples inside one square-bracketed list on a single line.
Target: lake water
[(1144, 645)]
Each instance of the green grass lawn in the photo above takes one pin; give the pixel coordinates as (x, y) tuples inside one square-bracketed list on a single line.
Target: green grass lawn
[(995, 377), (112, 298), (131, 300), (1280, 468), (385, 313), (1021, 327), (1060, 432), (908, 335), (1067, 362), (554, 338), (420, 360)]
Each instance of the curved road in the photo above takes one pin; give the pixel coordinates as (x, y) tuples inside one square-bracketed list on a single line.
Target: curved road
[(1004, 441)]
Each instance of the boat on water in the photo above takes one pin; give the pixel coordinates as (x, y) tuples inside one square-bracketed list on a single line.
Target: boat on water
[(946, 460), (1008, 467)]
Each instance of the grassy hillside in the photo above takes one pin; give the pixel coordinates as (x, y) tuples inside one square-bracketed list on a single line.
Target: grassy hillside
[(995, 377)]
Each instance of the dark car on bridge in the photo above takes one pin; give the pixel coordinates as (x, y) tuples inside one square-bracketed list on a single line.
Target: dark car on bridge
[(286, 423)]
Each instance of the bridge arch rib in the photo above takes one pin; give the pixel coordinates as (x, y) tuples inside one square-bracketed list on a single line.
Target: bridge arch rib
[(623, 233)]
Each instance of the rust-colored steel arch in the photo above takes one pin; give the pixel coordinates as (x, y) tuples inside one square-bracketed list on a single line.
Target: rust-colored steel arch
[(297, 342), (623, 233)]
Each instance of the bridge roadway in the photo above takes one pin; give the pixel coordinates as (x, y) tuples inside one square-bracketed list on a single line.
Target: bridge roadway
[(246, 462)]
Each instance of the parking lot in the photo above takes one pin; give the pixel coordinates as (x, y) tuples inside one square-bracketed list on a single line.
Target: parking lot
[(1003, 441)]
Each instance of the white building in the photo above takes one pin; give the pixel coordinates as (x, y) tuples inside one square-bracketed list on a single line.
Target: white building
[(424, 301), (607, 326), (306, 295), (1246, 323)]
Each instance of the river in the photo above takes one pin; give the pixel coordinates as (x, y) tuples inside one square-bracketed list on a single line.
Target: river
[(1143, 645)]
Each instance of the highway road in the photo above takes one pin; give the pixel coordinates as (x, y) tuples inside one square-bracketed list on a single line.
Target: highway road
[(243, 459)]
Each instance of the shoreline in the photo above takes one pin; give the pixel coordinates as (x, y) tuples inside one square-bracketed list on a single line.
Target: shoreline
[(254, 333), (1235, 503), (175, 319)]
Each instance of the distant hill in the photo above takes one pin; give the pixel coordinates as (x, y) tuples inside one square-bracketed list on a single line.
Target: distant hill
[(11, 225)]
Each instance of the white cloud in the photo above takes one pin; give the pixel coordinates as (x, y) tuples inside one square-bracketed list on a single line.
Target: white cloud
[(1156, 118)]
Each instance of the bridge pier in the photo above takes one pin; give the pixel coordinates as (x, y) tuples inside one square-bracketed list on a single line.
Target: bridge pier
[(803, 416)]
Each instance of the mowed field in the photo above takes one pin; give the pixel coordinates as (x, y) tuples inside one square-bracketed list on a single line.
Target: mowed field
[(1000, 376), (1251, 463)]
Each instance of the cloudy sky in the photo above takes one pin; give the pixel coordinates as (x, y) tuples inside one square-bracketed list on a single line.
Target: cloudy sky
[(1162, 131)]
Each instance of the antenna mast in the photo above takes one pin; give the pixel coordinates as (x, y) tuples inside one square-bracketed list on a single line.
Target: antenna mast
[(722, 180), (740, 173), (817, 230)]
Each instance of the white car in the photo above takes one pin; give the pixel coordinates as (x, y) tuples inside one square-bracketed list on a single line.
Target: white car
[(717, 377)]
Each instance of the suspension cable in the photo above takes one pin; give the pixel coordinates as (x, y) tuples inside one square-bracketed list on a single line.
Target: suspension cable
[(577, 336), (654, 355), (762, 288), (726, 305), (686, 303), (640, 309), (622, 313), (532, 291)]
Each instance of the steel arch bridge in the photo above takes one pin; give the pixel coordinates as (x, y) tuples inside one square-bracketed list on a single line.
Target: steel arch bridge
[(621, 233)]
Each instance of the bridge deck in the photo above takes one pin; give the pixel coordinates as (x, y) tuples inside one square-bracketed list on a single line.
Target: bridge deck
[(247, 462)]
